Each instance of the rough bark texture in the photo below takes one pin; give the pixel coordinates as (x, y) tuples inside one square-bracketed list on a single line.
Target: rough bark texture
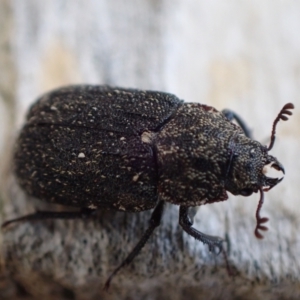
[(239, 55)]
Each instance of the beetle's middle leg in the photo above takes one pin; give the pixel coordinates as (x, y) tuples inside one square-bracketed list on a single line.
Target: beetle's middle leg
[(154, 222), (230, 115), (42, 215), (186, 224)]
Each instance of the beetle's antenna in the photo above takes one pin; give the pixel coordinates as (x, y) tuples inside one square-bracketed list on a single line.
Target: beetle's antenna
[(281, 116), (259, 219)]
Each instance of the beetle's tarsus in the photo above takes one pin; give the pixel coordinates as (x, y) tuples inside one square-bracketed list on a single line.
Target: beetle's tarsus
[(186, 224), (216, 246)]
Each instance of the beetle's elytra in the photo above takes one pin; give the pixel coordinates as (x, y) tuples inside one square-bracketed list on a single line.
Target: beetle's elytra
[(100, 147)]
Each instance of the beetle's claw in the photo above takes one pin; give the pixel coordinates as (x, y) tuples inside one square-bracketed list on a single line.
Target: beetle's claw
[(216, 247)]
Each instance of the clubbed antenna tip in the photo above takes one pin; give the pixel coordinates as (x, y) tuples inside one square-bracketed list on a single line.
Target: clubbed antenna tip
[(259, 219), (283, 115)]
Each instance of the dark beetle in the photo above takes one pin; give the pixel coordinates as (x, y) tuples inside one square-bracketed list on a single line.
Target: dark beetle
[(100, 147)]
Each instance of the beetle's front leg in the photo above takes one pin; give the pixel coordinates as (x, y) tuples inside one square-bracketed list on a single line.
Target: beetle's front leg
[(186, 223)]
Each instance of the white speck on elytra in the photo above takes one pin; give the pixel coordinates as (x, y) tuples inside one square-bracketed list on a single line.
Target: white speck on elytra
[(136, 177), (81, 155), (147, 137)]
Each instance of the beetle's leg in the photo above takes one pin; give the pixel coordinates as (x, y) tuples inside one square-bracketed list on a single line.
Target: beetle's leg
[(186, 223), (42, 215), (154, 222), (230, 115)]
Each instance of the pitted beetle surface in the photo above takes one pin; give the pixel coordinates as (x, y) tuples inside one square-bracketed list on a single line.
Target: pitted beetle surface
[(101, 147)]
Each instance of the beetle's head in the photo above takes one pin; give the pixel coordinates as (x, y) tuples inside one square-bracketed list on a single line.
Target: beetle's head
[(250, 167)]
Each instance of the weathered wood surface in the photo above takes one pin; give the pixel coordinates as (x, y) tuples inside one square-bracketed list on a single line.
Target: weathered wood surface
[(239, 55)]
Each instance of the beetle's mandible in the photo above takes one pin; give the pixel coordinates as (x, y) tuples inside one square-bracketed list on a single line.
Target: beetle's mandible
[(101, 147)]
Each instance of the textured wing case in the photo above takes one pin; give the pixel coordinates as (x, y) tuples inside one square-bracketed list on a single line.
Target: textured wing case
[(82, 146)]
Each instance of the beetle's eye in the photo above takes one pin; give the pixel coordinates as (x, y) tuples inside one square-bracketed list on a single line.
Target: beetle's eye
[(252, 152), (246, 192)]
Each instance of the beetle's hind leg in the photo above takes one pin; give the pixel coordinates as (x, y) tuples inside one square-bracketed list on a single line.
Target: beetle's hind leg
[(186, 223), (154, 222), (230, 115), (42, 215)]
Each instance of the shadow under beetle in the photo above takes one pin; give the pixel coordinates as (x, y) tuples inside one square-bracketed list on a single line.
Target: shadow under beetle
[(100, 147)]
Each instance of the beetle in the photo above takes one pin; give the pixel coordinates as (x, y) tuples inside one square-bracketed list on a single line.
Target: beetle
[(102, 147)]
